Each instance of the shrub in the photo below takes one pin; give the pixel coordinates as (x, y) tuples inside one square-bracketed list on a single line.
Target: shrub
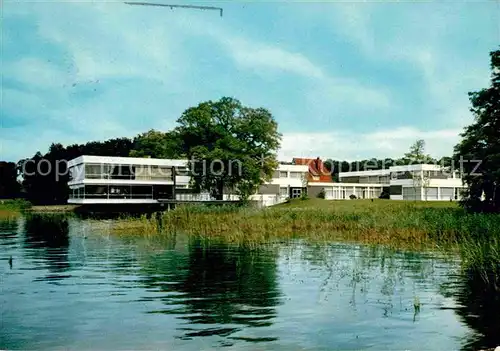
[(352, 197), (16, 204), (321, 194), (385, 194)]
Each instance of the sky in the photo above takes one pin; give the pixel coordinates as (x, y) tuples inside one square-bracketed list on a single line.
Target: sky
[(344, 80)]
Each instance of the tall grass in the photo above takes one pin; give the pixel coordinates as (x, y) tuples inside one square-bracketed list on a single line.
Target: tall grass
[(13, 208), (408, 225)]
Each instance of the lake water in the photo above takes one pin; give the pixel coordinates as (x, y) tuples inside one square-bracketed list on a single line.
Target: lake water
[(72, 286)]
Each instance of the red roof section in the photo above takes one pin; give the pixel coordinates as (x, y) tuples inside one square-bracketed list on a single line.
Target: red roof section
[(317, 169)]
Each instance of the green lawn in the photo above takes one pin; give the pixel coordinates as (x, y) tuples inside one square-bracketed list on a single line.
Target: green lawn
[(363, 204)]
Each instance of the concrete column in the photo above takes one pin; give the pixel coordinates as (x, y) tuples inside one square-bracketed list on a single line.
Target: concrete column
[(439, 193)]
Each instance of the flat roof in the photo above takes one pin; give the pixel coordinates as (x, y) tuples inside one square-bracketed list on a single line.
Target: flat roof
[(293, 168), (127, 161), (387, 171), (374, 172)]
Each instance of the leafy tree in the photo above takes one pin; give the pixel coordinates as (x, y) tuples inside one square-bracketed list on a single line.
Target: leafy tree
[(417, 154), (9, 186), (157, 144), (229, 146), (478, 153)]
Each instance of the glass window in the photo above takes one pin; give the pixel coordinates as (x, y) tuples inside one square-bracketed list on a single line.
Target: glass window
[(119, 191), (283, 174), (182, 171), (296, 192), (96, 171), (396, 190), (122, 172), (96, 191), (284, 191), (141, 191), (447, 193), (295, 175)]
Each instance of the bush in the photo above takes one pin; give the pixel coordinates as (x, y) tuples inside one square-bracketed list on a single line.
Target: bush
[(352, 197), (385, 194), (321, 194), (16, 204), (304, 196)]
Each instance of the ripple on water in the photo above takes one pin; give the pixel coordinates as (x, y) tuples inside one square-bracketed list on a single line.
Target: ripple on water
[(68, 292)]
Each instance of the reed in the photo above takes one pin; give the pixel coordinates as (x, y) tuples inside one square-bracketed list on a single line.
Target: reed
[(401, 225), (13, 208)]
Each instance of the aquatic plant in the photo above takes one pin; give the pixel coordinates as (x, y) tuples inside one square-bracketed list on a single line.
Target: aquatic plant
[(13, 208), (408, 225)]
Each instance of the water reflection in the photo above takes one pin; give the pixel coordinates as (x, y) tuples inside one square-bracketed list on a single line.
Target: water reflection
[(479, 308), (103, 292), (217, 290), (47, 238), (8, 231)]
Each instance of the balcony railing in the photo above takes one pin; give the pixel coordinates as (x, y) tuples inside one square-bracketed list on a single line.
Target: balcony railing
[(129, 177)]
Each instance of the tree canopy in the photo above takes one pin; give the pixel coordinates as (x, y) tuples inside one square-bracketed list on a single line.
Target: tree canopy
[(230, 146), (417, 154), (9, 186), (157, 144), (478, 153)]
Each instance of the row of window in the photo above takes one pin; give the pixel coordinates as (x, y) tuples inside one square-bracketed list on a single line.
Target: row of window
[(424, 174), (131, 172), (285, 174), (334, 193), (366, 179), (431, 193), (122, 192)]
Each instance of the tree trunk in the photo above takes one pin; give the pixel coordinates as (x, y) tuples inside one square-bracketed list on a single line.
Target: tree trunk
[(219, 195)]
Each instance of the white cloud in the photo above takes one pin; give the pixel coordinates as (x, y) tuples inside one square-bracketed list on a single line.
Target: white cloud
[(34, 72), (421, 38), (259, 56), (263, 58), (351, 145)]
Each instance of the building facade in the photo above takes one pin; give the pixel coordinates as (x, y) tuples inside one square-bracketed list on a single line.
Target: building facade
[(103, 180), (114, 180), (410, 182)]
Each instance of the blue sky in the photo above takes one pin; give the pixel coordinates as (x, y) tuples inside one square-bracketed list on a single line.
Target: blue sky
[(343, 80)]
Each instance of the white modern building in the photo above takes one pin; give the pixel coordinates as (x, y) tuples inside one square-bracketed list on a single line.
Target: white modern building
[(425, 182), (129, 180), (409, 182), (116, 180)]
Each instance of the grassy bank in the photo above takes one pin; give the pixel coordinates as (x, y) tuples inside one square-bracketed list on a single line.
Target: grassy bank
[(13, 208), (53, 209), (393, 223), (397, 224)]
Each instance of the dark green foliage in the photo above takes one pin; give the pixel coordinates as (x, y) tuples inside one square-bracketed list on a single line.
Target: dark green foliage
[(321, 194), (479, 151), (229, 146), (157, 144), (16, 204), (9, 186), (385, 194), (352, 197)]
